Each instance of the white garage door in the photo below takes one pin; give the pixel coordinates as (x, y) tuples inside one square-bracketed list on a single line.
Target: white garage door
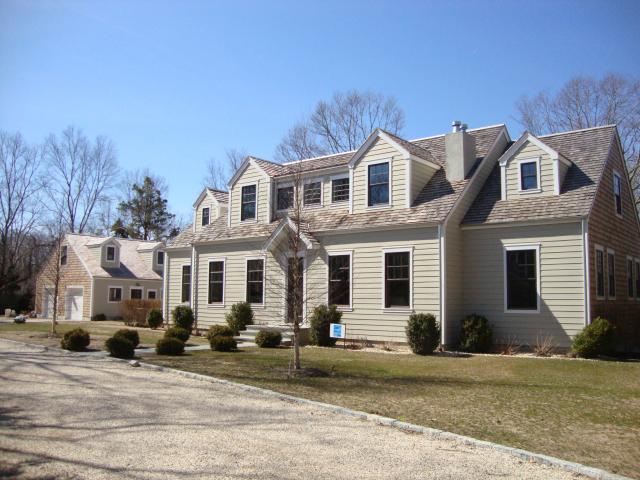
[(73, 307), (47, 303)]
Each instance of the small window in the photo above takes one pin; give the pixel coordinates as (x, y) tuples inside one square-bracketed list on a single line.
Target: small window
[(637, 279), (599, 273), (630, 277), (111, 253), (115, 294), (248, 210), (186, 283), (611, 273), (151, 294), (313, 193), (255, 281), (285, 198), (378, 184), (340, 190), (340, 280), (63, 255), (136, 293), (617, 192), (529, 176), (160, 258), (205, 216), (521, 279), (397, 279), (216, 282)]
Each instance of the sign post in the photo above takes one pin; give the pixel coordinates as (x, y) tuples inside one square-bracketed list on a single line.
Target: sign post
[(338, 330)]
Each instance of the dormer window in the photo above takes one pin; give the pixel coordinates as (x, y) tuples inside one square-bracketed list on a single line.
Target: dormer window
[(313, 193), (205, 216), (617, 192), (285, 198), (63, 255), (529, 176), (340, 189), (160, 258), (248, 210), (111, 253), (378, 184)]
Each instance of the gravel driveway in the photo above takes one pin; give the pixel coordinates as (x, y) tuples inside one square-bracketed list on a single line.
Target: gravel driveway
[(64, 416)]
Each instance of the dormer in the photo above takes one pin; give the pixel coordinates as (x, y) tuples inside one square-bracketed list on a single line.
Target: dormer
[(531, 168), (210, 204), (249, 193), (153, 255), (106, 251)]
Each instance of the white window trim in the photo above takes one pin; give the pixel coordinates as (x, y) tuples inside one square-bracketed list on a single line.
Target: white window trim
[(633, 280), (106, 254), (285, 185), (342, 308), (264, 280), (255, 218), (313, 205), (535, 160), (163, 257), (136, 288), (152, 290), (617, 175), (408, 309), (605, 279), (202, 216), (609, 296), (636, 263), (224, 281), (341, 176), (186, 302), (380, 206), (109, 287), (516, 247)]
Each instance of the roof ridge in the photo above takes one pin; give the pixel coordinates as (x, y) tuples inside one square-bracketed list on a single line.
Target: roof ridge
[(468, 130), (218, 190), (576, 131)]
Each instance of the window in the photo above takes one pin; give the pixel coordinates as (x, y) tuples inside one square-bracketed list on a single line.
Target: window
[(135, 293), (340, 279), (186, 283), (378, 187), (599, 272), (216, 282), (63, 255), (521, 278), (313, 193), (611, 273), (255, 281), (205, 216), (397, 279), (111, 253), (529, 176), (285, 198), (248, 209), (115, 294), (152, 294), (630, 277), (340, 190), (617, 192), (160, 258), (637, 279)]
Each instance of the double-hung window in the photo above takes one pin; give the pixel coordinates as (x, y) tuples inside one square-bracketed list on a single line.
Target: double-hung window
[(522, 278), (135, 293), (340, 190), (637, 262), (205, 216), (255, 281), (111, 253), (617, 192), (611, 273), (186, 283), (397, 279), (630, 283), (216, 281), (529, 176), (152, 294), (160, 258), (599, 272), (248, 207), (115, 294), (340, 279), (63, 255), (378, 184), (285, 198), (312, 193)]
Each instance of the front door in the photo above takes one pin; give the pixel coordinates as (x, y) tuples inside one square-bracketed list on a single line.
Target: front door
[(295, 290)]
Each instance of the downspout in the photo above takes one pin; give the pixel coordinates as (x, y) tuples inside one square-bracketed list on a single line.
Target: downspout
[(587, 276), (193, 290), (441, 259), (165, 282), (92, 289)]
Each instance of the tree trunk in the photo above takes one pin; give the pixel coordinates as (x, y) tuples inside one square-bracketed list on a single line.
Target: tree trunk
[(296, 343)]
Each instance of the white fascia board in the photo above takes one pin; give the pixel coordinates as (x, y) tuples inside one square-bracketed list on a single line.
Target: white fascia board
[(527, 137), (247, 161)]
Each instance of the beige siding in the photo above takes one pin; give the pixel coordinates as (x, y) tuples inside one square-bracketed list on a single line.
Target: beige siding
[(101, 286), (420, 175), (529, 151), (214, 207), (251, 176), (174, 260), (561, 281), (339, 206)]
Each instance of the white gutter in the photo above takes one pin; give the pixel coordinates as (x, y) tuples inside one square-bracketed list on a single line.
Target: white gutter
[(587, 277), (165, 281)]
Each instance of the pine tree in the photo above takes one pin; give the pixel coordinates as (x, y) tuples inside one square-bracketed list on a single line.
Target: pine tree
[(147, 211)]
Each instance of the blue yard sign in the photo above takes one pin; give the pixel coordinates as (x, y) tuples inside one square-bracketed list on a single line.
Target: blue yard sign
[(337, 330)]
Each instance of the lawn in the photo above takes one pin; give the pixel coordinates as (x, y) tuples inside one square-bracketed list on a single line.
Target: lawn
[(584, 411), (38, 333)]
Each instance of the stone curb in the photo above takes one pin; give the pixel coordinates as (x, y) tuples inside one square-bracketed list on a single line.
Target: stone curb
[(547, 460)]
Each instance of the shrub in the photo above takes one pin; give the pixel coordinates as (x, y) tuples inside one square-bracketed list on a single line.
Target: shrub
[(220, 331), (100, 317), (240, 316), (170, 346), (595, 339), (177, 332), (154, 318), (423, 333), (75, 340), (268, 338), (183, 317), (131, 335), (134, 312), (476, 335), (119, 346), (323, 315), (223, 344)]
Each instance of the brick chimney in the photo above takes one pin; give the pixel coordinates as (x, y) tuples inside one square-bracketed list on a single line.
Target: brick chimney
[(460, 148)]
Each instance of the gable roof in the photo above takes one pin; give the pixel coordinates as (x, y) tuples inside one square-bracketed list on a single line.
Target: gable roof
[(587, 150), (219, 195)]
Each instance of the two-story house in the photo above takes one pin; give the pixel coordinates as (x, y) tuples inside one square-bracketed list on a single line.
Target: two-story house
[(96, 274), (540, 235)]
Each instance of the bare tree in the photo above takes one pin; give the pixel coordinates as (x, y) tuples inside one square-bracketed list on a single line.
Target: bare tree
[(52, 272), (585, 102), (80, 174), (341, 124), (218, 174)]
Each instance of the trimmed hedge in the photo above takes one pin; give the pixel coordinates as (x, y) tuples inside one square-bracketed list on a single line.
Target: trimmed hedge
[(177, 332), (75, 340), (170, 346), (119, 346), (131, 335), (595, 339), (239, 317), (154, 318), (268, 339), (323, 315), (183, 317), (476, 335), (423, 333), (219, 331), (223, 344)]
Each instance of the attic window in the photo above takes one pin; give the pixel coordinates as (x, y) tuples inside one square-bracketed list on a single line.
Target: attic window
[(63, 255), (617, 192), (529, 176), (111, 253), (160, 258), (378, 188), (248, 210), (205, 216)]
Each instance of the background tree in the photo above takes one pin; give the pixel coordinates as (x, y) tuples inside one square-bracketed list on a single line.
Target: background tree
[(146, 211), (217, 174), (80, 173), (340, 125), (52, 272), (585, 102)]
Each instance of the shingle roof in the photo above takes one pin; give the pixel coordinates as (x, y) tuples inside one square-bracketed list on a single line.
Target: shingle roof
[(132, 264), (586, 149), (184, 239), (220, 195)]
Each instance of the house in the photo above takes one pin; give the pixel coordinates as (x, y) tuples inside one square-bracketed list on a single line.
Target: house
[(540, 235), (97, 274)]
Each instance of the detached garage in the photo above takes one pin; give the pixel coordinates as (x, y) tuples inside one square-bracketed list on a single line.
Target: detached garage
[(74, 302)]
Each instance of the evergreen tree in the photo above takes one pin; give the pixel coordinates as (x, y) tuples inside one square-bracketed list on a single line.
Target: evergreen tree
[(147, 211)]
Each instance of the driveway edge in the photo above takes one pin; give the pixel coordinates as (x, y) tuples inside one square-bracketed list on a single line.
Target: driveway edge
[(573, 467)]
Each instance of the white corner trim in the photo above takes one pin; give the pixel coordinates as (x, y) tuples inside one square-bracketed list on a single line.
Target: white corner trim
[(503, 182), (587, 271), (515, 247), (350, 190), (408, 183), (443, 271)]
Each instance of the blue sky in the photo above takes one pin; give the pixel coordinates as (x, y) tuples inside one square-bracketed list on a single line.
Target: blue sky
[(176, 83)]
